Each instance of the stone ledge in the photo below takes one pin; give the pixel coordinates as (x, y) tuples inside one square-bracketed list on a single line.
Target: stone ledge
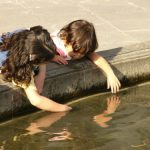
[(131, 64)]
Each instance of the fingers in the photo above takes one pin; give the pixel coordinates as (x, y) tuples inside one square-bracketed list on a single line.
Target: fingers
[(113, 99), (118, 102), (115, 86), (108, 101), (113, 83), (61, 60), (108, 85)]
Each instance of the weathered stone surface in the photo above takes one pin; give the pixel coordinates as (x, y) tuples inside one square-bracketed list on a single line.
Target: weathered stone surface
[(131, 64)]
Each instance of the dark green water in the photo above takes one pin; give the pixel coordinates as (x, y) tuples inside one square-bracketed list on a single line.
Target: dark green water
[(87, 126)]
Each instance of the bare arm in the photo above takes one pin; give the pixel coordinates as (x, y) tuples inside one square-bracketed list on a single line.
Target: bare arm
[(40, 78), (42, 102), (59, 59), (112, 80)]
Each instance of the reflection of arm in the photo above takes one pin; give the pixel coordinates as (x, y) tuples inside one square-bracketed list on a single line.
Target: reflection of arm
[(45, 121), (112, 104), (49, 119)]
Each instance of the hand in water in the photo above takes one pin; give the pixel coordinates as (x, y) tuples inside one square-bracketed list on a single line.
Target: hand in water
[(112, 104)]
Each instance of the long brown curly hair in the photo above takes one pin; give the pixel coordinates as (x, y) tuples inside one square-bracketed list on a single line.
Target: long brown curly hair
[(26, 49)]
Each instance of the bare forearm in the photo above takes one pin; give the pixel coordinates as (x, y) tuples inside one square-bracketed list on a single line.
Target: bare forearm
[(42, 67), (44, 103), (101, 63), (112, 80)]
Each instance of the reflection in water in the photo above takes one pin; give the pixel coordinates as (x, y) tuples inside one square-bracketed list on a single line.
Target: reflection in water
[(83, 128), (44, 122), (112, 104), (2, 146), (35, 128), (47, 121), (61, 136)]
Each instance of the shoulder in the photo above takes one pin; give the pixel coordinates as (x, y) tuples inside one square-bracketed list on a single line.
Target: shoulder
[(31, 86)]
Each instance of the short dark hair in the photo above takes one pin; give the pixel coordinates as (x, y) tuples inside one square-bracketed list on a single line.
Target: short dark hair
[(25, 50), (81, 35)]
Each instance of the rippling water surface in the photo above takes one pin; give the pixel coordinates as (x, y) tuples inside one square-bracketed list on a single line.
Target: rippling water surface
[(97, 122)]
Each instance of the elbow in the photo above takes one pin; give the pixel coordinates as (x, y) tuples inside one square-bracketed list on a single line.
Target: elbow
[(34, 98), (35, 102)]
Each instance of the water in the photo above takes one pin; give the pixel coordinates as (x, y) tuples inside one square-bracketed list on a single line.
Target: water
[(126, 126)]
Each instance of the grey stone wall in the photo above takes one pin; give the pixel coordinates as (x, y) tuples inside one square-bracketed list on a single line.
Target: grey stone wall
[(64, 82)]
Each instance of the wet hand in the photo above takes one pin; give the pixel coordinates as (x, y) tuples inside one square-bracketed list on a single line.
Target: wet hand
[(60, 60), (113, 83)]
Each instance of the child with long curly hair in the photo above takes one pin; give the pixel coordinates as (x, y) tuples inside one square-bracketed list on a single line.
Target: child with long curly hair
[(21, 52)]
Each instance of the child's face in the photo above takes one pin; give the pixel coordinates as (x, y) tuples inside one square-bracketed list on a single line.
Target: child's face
[(72, 54)]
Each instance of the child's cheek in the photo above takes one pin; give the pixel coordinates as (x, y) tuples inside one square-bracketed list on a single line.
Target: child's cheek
[(77, 57), (71, 54)]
